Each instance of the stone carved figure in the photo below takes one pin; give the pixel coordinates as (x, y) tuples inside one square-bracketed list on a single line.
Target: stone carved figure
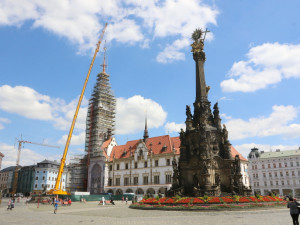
[(195, 180), (182, 137), (188, 112), (216, 110), (237, 164), (204, 168), (175, 173), (225, 133), (217, 179)]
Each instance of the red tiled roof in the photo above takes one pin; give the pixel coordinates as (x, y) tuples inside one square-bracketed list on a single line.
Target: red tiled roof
[(123, 151), (104, 147), (234, 152), (157, 144)]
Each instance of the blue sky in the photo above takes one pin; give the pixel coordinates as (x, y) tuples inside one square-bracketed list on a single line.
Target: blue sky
[(253, 68)]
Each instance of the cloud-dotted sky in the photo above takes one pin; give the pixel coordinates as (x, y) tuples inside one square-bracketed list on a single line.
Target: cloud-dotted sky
[(253, 69), (130, 21)]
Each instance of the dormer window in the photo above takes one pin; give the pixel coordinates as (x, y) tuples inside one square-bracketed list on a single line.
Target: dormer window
[(164, 148)]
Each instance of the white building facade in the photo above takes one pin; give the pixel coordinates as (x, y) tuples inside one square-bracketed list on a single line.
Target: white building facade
[(45, 176), (276, 172), (142, 167)]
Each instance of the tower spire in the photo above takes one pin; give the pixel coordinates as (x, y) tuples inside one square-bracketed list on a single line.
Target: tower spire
[(146, 135), (104, 57)]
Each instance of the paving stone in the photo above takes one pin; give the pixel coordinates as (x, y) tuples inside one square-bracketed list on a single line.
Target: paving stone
[(92, 213)]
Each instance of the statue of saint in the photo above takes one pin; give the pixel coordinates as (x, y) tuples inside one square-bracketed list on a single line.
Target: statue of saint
[(195, 180), (237, 163), (225, 133), (217, 179), (188, 112), (204, 168)]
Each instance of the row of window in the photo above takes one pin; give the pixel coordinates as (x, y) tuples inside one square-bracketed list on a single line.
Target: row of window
[(45, 172), (276, 183), (48, 186), (43, 178), (254, 167), (3, 185), (255, 175), (4, 178), (136, 180), (156, 164)]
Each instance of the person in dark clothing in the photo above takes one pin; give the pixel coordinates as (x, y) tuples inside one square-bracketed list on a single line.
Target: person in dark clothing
[(112, 201), (294, 211)]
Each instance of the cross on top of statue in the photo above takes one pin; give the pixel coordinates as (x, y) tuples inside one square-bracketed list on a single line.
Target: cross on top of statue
[(197, 34), (198, 43)]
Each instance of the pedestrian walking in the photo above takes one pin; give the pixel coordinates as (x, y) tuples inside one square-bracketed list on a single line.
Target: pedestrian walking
[(122, 199), (294, 210), (69, 202), (9, 204), (55, 205), (126, 199), (12, 205), (103, 200)]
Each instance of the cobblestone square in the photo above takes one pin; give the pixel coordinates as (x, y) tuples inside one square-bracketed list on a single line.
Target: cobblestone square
[(92, 213)]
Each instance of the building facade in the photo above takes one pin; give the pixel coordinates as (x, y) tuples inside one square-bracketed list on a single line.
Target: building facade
[(6, 179), (26, 180), (146, 166), (1, 157), (45, 176), (142, 166), (275, 172)]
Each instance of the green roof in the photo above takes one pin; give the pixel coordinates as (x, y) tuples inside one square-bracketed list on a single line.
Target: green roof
[(286, 153)]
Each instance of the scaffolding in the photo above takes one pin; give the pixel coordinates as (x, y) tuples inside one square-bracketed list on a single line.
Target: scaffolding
[(77, 173), (100, 122)]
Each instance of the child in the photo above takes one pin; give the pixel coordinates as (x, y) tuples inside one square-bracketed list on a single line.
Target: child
[(9, 205)]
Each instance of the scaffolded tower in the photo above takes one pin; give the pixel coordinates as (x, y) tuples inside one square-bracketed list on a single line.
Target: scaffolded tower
[(100, 125), (100, 120)]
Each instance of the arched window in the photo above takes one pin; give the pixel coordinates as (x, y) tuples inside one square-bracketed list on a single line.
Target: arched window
[(36, 178), (43, 178)]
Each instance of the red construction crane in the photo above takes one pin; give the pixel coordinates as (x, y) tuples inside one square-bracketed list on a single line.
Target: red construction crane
[(21, 142)]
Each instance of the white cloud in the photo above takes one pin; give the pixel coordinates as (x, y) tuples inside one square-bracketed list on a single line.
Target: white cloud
[(25, 101), (130, 21), (28, 157), (279, 122), (2, 121), (174, 127), (75, 140), (267, 64), (130, 114), (245, 149)]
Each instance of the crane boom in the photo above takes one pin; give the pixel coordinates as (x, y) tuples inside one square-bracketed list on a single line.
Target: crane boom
[(14, 189), (57, 189)]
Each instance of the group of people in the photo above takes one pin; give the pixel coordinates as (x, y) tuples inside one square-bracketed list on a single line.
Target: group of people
[(11, 203), (126, 199)]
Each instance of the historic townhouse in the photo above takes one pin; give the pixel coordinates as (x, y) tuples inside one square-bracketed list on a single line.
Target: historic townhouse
[(145, 166), (45, 176), (6, 179), (277, 172)]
